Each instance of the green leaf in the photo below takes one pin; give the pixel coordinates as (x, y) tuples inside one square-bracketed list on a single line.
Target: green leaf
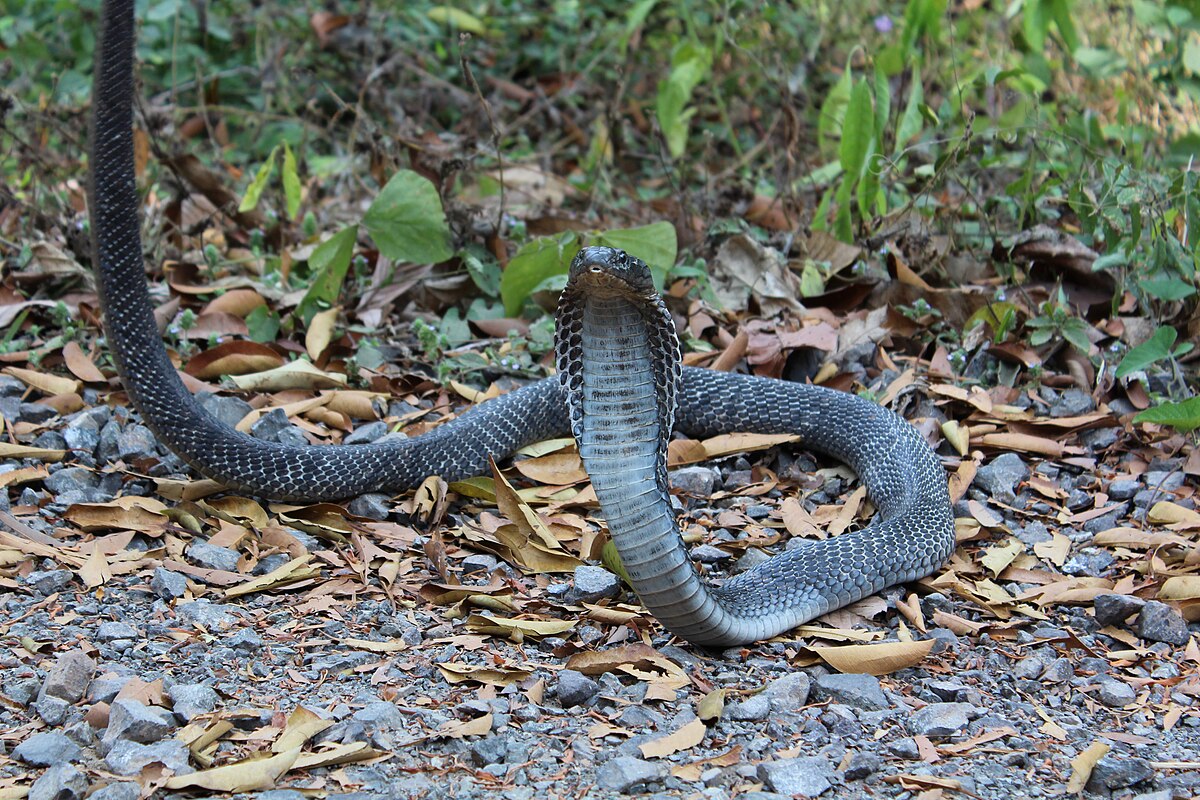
[(833, 112), (485, 274), (858, 129), (655, 244), (1154, 349), (407, 222), (812, 282), (255, 189), (910, 119), (533, 263), (291, 182), (1036, 23), (263, 324), (690, 64), (1074, 330), (883, 106), (329, 263), (1168, 288), (457, 19), (1060, 11), (611, 559), (1183, 417)]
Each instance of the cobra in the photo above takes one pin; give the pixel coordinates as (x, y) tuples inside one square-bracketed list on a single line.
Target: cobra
[(622, 391)]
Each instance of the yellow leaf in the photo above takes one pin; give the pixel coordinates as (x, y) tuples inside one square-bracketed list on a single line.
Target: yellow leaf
[(959, 436), (244, 776), (710, 707), (1165, 512), (1180, 587), (1055, 551), (46, 384), (494, 676), (298, 374), (292, 572), (518, 629), (998, 557), (320, 332), (301, 726), (875, 659), (9, 450), (1082, 765), (337, 754), (371, 646), (685, 738), (460, 729)]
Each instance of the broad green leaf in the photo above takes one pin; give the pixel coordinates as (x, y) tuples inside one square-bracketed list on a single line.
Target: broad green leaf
[(1183, 417), (858, 130), (1075, 331), (291, 182), (833, 112), (1060, 11), (262, 324), (690, 64), (407, 222), (910, 120), (457, 19), (883, 106), (1036, 23), (634, 17), (655, 244), (533, 263), (812, 283), (611, 559), (329, 263), (1168, 288), (1154, 349), (255, 189)]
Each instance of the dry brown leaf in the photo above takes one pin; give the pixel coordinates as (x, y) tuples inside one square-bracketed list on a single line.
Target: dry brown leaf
[(145, 514), (529, 540), (598, 662), (682, 739), (238, 510), (9, 450), (876, 659), (961, 480), (1027, 443), (517, 629), (958, 435), (292, 572), (1180, 587), (320, 332), (494, 676), (998, 557), (460, 729), (301, 726), (731, 443), (1083, 764), (44, 383), (80, 364), (298, 374), (244, 776), (336, 754), (1055, 551), (238, 302), (237, 357), (711, 705), (557, 469), (1165, 512), (23, 475)]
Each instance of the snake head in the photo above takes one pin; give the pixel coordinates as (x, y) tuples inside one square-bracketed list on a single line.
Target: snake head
[(609, 271)]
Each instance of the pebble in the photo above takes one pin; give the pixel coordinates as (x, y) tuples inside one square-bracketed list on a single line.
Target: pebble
[(859, 691), (479, 562), (1159, 622), (60, 782), (941, 719), (1124, 489), (1113, 609), (574, 688), (1000, 477), (789, 693), (130, 758), (862, 764), (624, 773), (227, 410), (136, 722), (698, 481), (594, 583), (190, 700), (809, 776), (136, 442), (45, 749), (1113, 772), (1115, 693), (752, 709), (68, 678), (371, 506), (112, 631), (122, 790), (47, 582), (210, 556), (1072, 403), (365, 434), (750, 559), (206, 613), (167, 584)]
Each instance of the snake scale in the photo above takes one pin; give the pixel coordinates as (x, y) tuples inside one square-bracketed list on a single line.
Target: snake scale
[(619, 378)]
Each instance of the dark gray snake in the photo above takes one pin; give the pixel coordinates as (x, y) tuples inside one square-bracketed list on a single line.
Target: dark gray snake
[(619, 413)]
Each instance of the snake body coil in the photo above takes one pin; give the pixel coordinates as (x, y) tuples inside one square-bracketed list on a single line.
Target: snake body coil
[(619, 412)]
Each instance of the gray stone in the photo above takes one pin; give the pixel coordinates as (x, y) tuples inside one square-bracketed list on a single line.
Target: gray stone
[(707, 554), (862, 764), (245, 640), (1113, 772), (129, 758), (594, 583), (190, 700), (168, 585), (136, 442), (60, 782), (906, 748), (1073, 403), (71, 479), (37, 413), (1113, 609), (574, 688), (111, 631), (52, 710), (49, 581), (69, 677), (229, 410), (365, 434), (122, 790), (1159, 622), (624, 773), (810, 776), (274, 426), (941, 719), (208, 614), (1000, 477), (789, 693), (489, 750), (750, 559), (1091, 562), (1059, 670), (859, 691), (45, 749), (371, 506), (1115, 693), (1124, 489), (1163, 480), (1034, 532), (380, 716), (106, 687), (136, 722), (752, 709), (479, 562), (210, 556), (22, 690), (698, 481)]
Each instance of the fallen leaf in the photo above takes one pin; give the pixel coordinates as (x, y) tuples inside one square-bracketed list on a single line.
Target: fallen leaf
[(1180, 587), (682, 739), (711, 705), (518, 629), (244, 776), (493, 676), (301, 726), (460, 729), (80, 364), (9, 450), (998, 557), (320, 332), (44, 383), (298, 374), (237, 357), (876, 659), (1083, 764)]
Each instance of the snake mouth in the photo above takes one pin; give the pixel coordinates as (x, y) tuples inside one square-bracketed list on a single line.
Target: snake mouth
[(605, 272)]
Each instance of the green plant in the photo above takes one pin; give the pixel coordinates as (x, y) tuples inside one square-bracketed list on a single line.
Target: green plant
[(1055, 320)]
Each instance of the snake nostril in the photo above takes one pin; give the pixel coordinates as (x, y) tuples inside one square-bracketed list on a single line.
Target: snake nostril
[(596, 270)]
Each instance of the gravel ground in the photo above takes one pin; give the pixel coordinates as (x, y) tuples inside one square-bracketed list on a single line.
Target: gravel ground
[(126, 662)]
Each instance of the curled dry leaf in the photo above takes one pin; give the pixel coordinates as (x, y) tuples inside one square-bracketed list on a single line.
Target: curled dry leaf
[(80, 364), (298, 374), (237, 357), (455, 672), (244, 776), (320, 332), (44, 383), (301, 726), (1083, 764), (9, 450), (518, 629), (460, 729), (684, 738), (875, 659)]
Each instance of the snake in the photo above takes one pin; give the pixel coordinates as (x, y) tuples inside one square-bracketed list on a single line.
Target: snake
[(619, 390)]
